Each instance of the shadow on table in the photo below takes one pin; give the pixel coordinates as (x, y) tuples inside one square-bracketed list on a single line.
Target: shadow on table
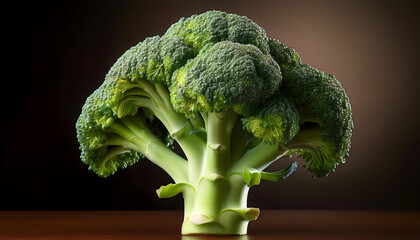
[(204, 237)]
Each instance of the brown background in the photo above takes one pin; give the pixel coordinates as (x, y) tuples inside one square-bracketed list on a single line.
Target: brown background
[(57, 54)]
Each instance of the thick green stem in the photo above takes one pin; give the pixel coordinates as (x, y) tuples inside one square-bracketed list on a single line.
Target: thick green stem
[(226, 214), (219, 202), (213, 182), (219, 130)]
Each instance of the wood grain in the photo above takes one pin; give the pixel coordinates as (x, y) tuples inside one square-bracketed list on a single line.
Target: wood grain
[(284, 225)]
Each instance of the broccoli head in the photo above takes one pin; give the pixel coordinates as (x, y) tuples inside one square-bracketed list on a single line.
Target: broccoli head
[(232, 98)]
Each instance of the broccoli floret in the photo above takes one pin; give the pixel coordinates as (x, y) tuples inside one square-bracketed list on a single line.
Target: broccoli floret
[(285, 56), (103, 151), (215, 26), (326, 118), (154, 59), (277, 122), (233, 99), (225, 75)]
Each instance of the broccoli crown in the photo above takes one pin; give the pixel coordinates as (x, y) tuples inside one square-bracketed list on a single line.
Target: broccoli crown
[(213, 62), (326, 106), (102, 149), (225, 75), (97, 116)]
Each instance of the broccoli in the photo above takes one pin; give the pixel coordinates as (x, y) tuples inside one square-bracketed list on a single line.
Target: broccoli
[(232, 98)]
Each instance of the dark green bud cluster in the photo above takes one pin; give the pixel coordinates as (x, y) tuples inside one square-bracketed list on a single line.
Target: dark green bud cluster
[(285, 56), (97, 116), (214, 62), (277, 122), (225, 75), (154, 59), (322, 96)]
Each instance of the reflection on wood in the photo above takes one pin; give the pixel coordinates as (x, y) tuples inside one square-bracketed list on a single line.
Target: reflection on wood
[(159, 225)]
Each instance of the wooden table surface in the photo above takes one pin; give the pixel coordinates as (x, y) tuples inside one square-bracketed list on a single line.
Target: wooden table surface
[(162, 225)]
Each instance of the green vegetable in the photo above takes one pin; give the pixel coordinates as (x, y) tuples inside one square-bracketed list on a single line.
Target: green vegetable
[(232, 98)]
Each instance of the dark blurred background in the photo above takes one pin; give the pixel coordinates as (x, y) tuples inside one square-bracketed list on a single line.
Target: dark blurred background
[(56, 54)]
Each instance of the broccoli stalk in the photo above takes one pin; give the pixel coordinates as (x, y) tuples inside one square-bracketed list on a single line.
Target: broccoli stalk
[(233, 99)]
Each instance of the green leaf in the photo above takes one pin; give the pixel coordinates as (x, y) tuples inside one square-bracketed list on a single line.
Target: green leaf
[(253, 176), (171, 189), (249, 214), (282, 174)]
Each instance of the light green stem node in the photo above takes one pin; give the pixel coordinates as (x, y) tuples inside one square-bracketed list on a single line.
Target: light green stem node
[(249, 214), (171, 189)]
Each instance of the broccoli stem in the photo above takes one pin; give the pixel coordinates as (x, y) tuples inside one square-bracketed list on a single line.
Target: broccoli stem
[(192, 145), (133, 130), (217, 207), (220, 198), (218, 203), (259, 157), (177, 124), (219, 130), (114, 152), (213, 182)]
